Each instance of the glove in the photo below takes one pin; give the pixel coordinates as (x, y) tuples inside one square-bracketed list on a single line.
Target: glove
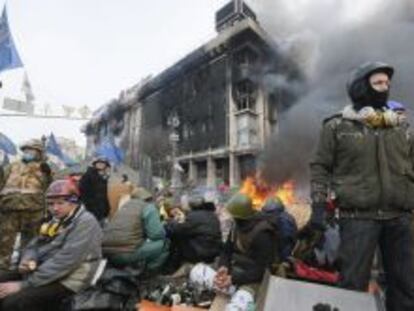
[(319, 214), (45, 168)]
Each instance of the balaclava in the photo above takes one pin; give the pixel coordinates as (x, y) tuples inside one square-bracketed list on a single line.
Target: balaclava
[(360, 90)]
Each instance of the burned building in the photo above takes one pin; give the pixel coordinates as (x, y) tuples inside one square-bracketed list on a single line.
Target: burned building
[(212, 111)]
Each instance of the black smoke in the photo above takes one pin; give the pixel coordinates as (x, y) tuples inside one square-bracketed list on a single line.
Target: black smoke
[(327, 39)]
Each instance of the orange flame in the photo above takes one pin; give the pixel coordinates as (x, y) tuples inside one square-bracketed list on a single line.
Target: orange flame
[(286, 193), (259, 192)]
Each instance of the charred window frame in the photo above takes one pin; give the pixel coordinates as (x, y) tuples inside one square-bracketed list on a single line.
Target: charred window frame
[(245, 95), (245, 57), (273, 104), (186, 132), (203, 127)]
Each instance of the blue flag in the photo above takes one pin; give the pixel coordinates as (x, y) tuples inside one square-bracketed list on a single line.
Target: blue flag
[(9, 57), (108, 149), (7, 145), (53, 148)]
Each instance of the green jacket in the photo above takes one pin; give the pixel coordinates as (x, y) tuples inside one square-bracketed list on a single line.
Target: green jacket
[(125, 231), (153, 251), (368, 169)]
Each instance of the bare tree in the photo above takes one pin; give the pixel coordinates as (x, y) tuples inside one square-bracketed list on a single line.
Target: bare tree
[(46, 109), (84, 112), (68, 110)]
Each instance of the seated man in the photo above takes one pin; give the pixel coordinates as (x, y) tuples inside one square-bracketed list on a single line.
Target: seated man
[(198, 238), (251, 248), (61, 261), (135, 236)]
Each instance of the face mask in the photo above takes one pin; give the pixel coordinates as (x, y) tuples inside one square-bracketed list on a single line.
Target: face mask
[(377, 99), (103, 173), (28, 157), (364, 95)]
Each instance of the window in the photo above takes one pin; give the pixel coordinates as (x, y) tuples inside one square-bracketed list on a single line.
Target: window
[(186, 132), (245, 57), (245, 95)]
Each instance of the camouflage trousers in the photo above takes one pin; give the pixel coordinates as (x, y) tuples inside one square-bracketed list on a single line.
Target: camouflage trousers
[(11, 223)]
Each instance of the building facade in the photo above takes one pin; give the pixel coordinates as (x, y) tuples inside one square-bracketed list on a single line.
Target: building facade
[(211, 113)]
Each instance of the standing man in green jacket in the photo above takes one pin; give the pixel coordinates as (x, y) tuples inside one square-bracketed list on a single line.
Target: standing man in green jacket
[(364, 160)]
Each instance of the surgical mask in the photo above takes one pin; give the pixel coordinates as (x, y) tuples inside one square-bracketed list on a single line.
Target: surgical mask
[(28, 157), (104, 173)]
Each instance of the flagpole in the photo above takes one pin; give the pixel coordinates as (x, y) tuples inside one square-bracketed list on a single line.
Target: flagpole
[(43, 139)]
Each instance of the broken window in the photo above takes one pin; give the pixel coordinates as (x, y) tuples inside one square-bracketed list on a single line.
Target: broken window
[(186, 132), (245, 92), (245, 57)]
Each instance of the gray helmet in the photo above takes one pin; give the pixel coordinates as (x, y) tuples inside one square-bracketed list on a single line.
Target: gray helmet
[(367, 69), (101, 159), (358, 86), (195, 201)]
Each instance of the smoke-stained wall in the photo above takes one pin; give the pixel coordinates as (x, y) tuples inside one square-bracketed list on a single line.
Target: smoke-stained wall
[(198, 98)]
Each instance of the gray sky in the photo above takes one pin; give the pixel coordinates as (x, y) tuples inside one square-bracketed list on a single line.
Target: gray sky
[(84, 52), (79, 52)]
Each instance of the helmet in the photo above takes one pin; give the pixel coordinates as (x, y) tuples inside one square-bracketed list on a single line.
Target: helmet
[(360, 90), (35, 144), (240, 206), (63, 188), (366, 70), (101, 159), (196, 201)]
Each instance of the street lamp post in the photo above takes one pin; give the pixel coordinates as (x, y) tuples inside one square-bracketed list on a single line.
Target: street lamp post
[(174, 138)]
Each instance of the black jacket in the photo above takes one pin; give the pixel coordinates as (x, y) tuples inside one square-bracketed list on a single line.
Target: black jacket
[(199, 237), (94, 193), (251, 248)]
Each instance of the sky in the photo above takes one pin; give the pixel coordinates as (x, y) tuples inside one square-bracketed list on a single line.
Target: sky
[(85, 52)]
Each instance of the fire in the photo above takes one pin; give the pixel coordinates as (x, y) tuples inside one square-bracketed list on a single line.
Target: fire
[(259, 192), (286, 193)]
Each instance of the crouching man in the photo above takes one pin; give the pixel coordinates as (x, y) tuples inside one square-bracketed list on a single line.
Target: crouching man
[(61, 261), (197, 238), (250, 249), (135, 235)]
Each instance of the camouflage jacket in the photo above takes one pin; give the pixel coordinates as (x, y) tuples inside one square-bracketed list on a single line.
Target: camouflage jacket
[(22, 185)]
